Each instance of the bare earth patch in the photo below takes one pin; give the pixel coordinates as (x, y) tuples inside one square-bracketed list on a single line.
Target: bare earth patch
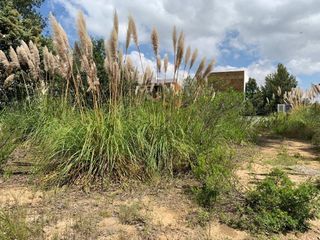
[(19, 196), (300, 159), (72, 214)]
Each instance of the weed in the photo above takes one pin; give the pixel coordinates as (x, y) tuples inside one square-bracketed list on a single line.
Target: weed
[(215, 170), (84, 226), (105, 214), (200, 217), (278, 205), (132, 214), (283, 158)]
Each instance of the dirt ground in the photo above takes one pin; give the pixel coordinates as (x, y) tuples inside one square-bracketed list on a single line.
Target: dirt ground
[(161, 209)]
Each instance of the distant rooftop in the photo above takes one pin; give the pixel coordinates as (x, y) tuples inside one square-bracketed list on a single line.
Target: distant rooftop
[(169, 80)]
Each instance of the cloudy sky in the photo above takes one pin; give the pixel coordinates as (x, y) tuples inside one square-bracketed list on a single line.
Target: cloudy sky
[(254, 35)]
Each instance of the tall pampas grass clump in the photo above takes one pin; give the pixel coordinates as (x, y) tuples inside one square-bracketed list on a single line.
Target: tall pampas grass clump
[(126, 132)]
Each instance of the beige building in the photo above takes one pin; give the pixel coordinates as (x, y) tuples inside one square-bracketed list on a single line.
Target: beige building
[(229, 79)]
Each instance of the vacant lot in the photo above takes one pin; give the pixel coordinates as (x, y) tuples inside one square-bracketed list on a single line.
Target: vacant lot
[(161, 209)]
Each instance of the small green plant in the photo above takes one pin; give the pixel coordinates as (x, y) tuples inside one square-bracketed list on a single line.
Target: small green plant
[(214, 170), (278, 205), (132, 214), (84, 226), (198, 218)]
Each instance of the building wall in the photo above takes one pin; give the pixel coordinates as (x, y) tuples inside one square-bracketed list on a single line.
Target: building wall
[(225, 80)]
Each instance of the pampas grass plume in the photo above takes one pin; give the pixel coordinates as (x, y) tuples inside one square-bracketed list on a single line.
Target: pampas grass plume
[(155, 41)]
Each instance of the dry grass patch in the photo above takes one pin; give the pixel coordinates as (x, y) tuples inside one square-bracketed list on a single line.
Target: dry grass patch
[(284, 158), (133, 214), (16, 224)]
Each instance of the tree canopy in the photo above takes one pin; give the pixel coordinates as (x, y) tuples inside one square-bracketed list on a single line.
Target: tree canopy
[(20, 21), (25, 7), (276, 85), (255, 98), (251, 88), (264, 99)]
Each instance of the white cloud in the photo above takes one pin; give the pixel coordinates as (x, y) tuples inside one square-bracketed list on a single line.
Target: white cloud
[(304, 66), (259, 70), (192, 18), (281, 30)]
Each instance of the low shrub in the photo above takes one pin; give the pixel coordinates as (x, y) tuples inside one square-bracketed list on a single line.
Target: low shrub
[(214, 170), (198, 217), (302, 122), (278, 205)]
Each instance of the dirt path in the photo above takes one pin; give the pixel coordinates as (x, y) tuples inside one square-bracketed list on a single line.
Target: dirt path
[(300, 159), (161, 210)]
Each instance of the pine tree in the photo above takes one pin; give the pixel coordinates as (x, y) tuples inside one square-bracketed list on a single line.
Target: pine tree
[(14, 27), (276, 85)]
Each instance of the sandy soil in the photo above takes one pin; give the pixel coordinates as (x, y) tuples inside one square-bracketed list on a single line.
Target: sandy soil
[(273, 152)]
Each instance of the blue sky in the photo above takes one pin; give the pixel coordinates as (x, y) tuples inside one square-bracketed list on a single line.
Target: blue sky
[(238, 34)]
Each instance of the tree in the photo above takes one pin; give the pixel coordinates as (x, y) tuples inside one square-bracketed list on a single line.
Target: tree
[(99, 56), (254, 97), (276, 85), (20, 21), (251, 88), (27, 9)]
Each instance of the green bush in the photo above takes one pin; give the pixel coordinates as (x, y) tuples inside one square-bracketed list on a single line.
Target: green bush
[(217, 124), (278, 205), (214, 169), (302, 123), (316, 137)]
